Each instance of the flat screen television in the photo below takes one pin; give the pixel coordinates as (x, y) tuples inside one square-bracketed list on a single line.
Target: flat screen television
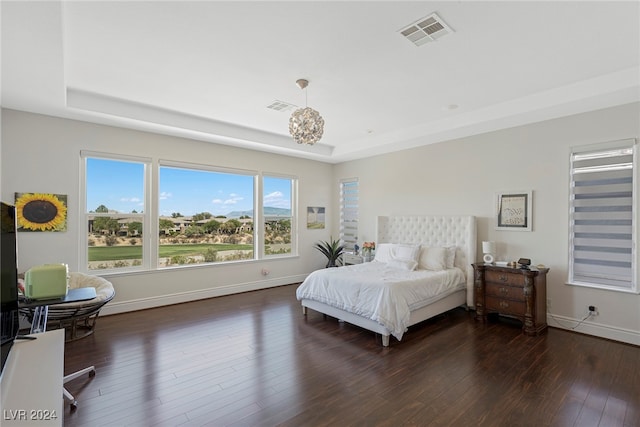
[(9, 318)]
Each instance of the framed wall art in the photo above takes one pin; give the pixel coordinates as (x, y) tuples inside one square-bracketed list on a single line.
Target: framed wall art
[(41, 211), (315, 217), (513, 211)]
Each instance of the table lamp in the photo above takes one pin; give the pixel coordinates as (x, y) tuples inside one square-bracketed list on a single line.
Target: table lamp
[(488, 248)]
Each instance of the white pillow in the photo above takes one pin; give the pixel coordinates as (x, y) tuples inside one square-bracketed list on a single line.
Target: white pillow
[(433, 258), (405, 252), (383, 252), (403, 264)]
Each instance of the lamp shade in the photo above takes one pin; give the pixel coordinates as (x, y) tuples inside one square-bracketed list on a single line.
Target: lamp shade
[(488, 247)]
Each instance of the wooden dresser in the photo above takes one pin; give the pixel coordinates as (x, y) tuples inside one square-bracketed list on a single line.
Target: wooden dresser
[(512, 292)]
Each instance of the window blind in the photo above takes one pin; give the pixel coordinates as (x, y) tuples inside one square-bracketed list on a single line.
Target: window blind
[(349, 212), (602, 216)]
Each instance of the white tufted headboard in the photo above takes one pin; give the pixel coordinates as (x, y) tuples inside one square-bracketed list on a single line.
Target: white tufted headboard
[(441, 230)]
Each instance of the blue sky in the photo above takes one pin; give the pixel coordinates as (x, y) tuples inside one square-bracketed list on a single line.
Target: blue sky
[(119, 186)]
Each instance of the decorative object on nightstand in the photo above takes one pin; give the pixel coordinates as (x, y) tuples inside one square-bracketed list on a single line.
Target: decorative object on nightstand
[(367, 250), (488, 248), (512, 292), (524, 263)]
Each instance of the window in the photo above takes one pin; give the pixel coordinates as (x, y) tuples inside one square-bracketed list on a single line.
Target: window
[(278, 215), (115, 214), (603, 216), (205, 215), (349, 212)]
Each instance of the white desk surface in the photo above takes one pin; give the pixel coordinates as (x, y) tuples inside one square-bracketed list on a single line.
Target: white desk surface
[(31, 389)]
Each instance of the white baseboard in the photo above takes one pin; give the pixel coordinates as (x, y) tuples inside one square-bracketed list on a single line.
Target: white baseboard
[(177, 298), (591, 328)]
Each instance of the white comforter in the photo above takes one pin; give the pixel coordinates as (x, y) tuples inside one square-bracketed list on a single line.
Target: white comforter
[(380, 292)]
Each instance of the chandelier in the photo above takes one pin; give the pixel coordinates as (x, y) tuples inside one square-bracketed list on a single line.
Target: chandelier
[(306, 125)]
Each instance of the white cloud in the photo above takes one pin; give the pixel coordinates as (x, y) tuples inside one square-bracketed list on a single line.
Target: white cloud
[(165, 195), (276, 200), (232, 200), (276, 195)]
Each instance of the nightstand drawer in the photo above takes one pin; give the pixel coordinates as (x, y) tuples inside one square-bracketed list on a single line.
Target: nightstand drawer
[(505, 291), (350, 259), (504, 278), (505, 306)]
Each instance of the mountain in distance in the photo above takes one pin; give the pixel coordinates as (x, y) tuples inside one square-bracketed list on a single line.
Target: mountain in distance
[(268, 211)]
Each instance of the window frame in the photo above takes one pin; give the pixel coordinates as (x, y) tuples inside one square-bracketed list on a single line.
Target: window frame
[(635, 216), (203, 168), (147, 227), (151, 213), (349, 246), (294, 215)]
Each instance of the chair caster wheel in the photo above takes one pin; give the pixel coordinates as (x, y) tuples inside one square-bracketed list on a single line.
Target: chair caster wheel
[(73, 405), (92, 374)]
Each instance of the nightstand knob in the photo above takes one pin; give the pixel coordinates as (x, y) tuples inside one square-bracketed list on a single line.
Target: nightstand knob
[(504, 290), (504, 304), (503, 278)]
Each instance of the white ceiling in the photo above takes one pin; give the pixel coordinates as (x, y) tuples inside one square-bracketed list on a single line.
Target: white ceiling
[(209, 69)]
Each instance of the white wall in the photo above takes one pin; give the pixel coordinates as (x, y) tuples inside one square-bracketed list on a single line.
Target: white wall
[(462, 177), (42, 154)]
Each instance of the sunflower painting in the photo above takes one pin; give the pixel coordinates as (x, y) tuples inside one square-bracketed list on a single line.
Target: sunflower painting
[(41, 212)]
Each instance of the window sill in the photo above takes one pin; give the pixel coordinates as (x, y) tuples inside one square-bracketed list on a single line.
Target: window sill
[(113, 273), (604, 287)]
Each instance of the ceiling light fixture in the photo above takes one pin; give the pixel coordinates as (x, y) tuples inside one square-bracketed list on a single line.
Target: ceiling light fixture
[(306, 125)]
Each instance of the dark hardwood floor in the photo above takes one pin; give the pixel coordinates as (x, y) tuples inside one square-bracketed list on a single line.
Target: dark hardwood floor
[(253, 359)]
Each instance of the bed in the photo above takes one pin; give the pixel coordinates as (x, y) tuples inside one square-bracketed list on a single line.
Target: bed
[(422, 268)]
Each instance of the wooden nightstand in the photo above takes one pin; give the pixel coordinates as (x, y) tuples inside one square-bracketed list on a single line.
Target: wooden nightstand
[(512, 292), (350, 259)]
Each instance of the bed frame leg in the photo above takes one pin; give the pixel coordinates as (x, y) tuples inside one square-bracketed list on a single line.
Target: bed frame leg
[(304, 310), (385, 340)]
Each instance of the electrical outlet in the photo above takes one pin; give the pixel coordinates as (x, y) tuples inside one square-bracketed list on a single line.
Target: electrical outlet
[(593, 310)]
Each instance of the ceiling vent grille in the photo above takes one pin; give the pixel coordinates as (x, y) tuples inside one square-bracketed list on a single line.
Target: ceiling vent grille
[(281, 106), (425, 30)]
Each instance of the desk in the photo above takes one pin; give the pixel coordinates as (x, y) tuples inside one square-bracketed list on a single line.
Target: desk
[(41, 307), (32, 380)]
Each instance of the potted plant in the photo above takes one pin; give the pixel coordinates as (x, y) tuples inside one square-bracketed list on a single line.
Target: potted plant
[(331, 249)]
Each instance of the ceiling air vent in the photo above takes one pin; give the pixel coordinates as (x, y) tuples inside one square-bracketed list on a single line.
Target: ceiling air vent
[(281, 106), (425, 30)]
